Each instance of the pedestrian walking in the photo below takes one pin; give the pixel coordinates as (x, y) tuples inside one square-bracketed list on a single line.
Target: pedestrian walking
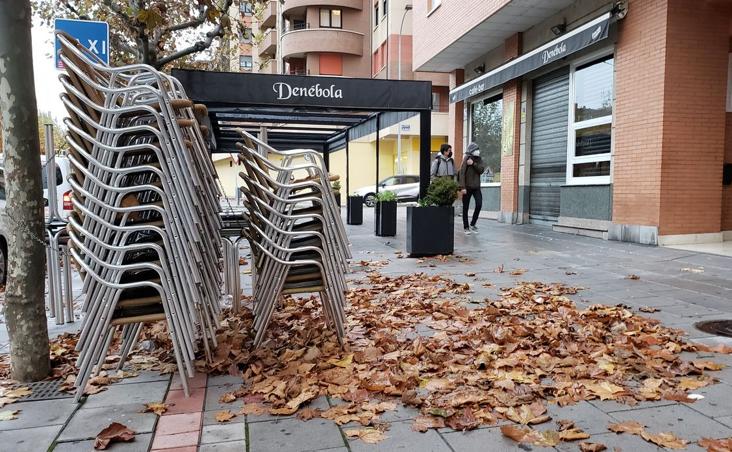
[(443, 165), (469, 182)]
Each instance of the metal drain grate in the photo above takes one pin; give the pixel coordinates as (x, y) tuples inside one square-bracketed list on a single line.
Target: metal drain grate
[(716, 327), (43, 390)]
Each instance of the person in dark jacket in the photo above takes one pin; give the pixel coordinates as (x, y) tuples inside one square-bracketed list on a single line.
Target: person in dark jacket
[(469, 182), (443, 165)]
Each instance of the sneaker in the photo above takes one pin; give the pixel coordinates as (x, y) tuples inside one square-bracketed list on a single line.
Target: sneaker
[(468, 232), (474, 228)]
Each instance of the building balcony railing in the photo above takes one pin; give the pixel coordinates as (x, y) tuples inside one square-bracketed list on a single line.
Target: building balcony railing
[(269, 16), (268, 46), (333, 40), (293, 4)]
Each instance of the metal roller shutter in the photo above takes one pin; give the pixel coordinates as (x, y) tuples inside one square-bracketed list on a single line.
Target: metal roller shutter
[(548, 144)]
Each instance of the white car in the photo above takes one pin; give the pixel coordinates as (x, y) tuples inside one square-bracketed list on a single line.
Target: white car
[(63, 202), (406, 188)]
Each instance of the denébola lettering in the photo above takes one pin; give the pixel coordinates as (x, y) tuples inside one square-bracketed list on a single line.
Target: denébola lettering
[(285, 91), (557, 50)]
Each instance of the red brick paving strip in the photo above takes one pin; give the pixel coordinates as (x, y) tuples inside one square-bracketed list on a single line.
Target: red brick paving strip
[(179, 428)]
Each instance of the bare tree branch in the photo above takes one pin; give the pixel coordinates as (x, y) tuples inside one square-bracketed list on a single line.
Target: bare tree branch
[(198, 46), (191, 23)]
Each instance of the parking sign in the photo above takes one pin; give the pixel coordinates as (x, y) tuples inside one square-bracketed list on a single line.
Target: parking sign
[(91, 34)]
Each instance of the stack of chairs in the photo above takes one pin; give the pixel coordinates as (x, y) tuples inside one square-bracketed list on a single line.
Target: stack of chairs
[(145, 224), (295, 232)]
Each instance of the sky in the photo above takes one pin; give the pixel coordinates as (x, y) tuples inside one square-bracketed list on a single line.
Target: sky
[(48, 87)]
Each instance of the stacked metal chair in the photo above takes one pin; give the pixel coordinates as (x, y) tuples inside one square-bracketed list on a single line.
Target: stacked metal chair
[(295, 232), (145, 225)]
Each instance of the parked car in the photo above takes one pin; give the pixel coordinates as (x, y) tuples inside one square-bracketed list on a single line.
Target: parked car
[(63, 201), (406, 188)]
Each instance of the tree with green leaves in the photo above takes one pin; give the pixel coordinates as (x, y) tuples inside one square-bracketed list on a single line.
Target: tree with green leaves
[(154, 32)]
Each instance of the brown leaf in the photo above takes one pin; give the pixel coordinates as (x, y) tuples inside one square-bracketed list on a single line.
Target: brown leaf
[(254, 409), (707, 365), (367, 435), (463, 420), (227, 397), (9, 415), (716, 445), (114, 432), (605, 390), (666, 439), (424, 423), (648, 309), (515, 433), (592, 447), (308, 413), (156, 407), (225, 416), (633, 277), (18, 392), (565, 424), (626, 427), (573, 434), (519, 271)]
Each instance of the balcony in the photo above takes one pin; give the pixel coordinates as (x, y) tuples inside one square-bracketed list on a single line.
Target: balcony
[(308, 40), (269, 68), (268, 46), (269, 15), (294, 4)]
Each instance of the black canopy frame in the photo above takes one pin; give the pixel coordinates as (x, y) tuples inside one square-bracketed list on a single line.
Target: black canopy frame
[(321, 113)]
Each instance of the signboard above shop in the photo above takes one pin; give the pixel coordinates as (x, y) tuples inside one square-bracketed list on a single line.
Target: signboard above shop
[(573, 41), (91, 34)]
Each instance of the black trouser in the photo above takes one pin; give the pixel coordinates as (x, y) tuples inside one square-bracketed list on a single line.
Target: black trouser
[(475, 193)]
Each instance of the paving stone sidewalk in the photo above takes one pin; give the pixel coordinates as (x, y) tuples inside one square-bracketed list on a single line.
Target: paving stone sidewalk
[(686, 287)]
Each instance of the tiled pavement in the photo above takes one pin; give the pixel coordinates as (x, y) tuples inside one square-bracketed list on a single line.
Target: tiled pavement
[(685, 286)]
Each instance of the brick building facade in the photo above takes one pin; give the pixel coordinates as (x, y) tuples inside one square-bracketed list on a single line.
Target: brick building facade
[(625, 138)]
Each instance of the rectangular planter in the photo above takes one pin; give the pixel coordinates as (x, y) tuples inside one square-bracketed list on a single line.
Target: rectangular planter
[(354, 210), (430, 231), (385, 218)]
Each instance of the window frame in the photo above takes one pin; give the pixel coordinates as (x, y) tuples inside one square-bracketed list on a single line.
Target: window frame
[(376, 14), (385, 11), (573, 127), (247, 10), (492, 95), (251, 62), (432, 6), (330, 17)]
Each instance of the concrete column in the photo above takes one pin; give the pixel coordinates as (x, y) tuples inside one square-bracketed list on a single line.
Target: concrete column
[(511, 139), (455, 119)]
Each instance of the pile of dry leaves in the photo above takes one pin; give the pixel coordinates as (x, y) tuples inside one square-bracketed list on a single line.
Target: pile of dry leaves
[(503, 359)]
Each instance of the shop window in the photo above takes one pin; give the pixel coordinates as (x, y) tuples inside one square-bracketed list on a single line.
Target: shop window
[(590, 123), (330, 18), (486, 127), (245, 62)]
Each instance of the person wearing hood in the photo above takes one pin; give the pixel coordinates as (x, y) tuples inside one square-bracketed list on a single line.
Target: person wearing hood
[(443, 165), (469, 182)]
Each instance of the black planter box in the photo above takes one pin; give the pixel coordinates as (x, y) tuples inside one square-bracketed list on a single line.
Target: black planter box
[(430, 231), (354, 210), (386, 215), (337, 196)]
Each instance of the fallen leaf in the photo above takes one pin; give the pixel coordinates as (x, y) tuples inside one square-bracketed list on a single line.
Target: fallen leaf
[(308, 413), (716, 445), (227, 397), (633, 277), (254, 409), (18, 392), (707, 365), (114, 432), (345, 362), (573, 434), (424, 423), (605, 390), (225, 416), (519, 271), (8, 415), (666, 439), (367, 435), (565, 424), (626, 427), (648, 309), (514, 432), (156, 407), (592, 447)]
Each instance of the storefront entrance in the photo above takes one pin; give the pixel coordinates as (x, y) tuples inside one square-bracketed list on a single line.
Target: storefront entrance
[(548, 145)]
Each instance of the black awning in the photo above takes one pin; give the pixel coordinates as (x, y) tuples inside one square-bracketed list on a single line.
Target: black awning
[(574, 41)]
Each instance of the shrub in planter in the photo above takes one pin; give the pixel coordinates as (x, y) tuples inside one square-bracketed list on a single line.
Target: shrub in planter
[(431, 225), (386, 214)]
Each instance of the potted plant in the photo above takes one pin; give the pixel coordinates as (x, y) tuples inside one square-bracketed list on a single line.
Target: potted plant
[(431, 224), (336, 186), (386, 213), (354, 209)]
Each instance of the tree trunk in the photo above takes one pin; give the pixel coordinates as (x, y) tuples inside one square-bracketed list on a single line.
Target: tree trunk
[(25, 312)]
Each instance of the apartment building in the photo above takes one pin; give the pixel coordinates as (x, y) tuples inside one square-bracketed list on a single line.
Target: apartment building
[(241, 44), (602, 118)]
